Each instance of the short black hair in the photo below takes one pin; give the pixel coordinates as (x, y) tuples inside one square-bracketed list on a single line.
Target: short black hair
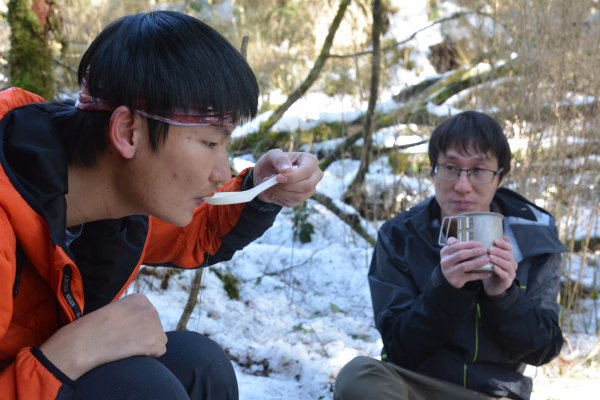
[(470, 130), (160, 62)]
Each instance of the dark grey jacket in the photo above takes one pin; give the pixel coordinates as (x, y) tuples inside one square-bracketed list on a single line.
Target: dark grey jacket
[(460, 335)]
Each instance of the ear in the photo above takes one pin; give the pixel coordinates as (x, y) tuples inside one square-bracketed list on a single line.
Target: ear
[(501, 177), (124, 132)]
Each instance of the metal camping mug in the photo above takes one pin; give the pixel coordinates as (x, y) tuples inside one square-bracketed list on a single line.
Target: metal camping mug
[(483, 227)]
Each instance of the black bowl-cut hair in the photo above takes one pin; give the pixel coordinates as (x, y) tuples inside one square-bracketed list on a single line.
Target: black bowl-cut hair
[(159, 62), (467, 131), (165, 60)]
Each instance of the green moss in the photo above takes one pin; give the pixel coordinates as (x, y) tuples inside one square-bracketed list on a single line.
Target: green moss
[(259, 143), (322, 132), (30, 59), (230, 284), (303, 229), (383, 120), (407, 164)]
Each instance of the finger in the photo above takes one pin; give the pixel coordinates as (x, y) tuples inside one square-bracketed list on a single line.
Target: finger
[(301, 183), (473, 264), (506, 265), (304, 188), (501, 254), (284, 202), (464, 260), (272, 162), (502, 274), (503, 244), (453, 245), (280, 160), (451, 240), (460, 274), (287, 199), (306, 168)]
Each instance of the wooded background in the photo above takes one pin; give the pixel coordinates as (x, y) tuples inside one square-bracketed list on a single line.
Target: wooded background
[(532, 64)]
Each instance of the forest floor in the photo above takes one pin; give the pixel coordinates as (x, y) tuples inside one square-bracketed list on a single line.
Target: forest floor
[(574, 374)]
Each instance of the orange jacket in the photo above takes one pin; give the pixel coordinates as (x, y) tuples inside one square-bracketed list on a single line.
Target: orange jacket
[(58, 283)]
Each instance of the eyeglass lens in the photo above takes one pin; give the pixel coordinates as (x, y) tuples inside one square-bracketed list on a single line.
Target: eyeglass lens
[(475, 175)]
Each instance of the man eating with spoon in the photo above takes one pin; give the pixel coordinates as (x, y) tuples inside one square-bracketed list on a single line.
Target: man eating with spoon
[(93, 189)]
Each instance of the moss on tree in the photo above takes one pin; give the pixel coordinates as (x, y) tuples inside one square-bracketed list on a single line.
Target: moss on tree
[(30, 59)]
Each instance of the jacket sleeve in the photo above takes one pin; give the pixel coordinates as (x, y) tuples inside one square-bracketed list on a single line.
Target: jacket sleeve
[(526, 319), (413, 324), (215, 233), (24, 376), (27, 378)]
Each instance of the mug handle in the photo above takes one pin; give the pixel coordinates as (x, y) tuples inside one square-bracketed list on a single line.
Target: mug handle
[(449, 219)]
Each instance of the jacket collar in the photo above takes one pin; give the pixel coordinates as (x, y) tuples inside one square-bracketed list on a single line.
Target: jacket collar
[(35, 163)]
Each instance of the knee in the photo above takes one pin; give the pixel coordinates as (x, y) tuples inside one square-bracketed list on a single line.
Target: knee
[(360, 367), (196, 358), (213, 354), (356, 378), (132, 378), (193, 347)]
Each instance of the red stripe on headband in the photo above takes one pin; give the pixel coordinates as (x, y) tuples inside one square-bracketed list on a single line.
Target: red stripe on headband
[(87, 102)]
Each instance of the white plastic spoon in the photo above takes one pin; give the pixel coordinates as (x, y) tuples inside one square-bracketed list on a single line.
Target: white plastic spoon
[(222, 198)]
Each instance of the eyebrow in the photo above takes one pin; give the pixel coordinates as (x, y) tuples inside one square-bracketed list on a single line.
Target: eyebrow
[(478, 157), (223, 129)]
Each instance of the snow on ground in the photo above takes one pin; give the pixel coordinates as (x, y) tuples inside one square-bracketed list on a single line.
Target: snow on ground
[(304, 311), (304, 308)]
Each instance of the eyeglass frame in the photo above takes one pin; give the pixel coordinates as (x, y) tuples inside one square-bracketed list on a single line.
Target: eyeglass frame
[(468, 171)]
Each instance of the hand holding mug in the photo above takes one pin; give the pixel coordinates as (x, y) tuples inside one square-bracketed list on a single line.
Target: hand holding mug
[(504, 267), (462, 262), (482, 227)]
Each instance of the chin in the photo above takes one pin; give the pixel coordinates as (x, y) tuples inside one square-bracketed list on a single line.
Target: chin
[(178, 220)]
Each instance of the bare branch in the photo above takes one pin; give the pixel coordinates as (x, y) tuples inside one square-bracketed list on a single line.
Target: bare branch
[(353, 220), (192, 299), (369, 119), (314, 72), (456, 15)]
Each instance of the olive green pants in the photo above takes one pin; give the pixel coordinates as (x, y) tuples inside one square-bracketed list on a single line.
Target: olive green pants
[(366, 378)]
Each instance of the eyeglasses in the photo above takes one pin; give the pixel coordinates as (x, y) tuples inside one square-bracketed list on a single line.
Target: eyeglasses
[(478, 176)]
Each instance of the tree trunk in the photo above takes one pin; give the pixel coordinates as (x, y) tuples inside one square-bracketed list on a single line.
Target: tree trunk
[(359, 179), (192, 299), (30, 60), (312, 75)]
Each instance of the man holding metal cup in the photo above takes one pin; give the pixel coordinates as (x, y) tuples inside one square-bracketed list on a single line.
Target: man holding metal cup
[(462, 320)]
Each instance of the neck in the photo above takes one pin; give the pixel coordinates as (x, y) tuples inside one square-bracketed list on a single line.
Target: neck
[(92, 195)]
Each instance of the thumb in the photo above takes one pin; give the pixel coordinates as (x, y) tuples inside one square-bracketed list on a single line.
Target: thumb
[(281, 161)]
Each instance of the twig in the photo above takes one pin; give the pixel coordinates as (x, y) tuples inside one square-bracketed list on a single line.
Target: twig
[(456, 15), (314, 72), (283, 270), (352, 220)]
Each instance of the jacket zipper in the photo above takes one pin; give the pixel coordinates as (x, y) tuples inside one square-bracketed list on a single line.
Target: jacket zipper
[(129, 281), (137, 267), (476, 352)]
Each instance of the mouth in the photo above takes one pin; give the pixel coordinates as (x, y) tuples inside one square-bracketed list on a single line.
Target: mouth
[(463, 204)]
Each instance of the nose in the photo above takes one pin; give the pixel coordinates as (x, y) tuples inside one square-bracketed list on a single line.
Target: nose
[(221, 172), (462, 183)]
